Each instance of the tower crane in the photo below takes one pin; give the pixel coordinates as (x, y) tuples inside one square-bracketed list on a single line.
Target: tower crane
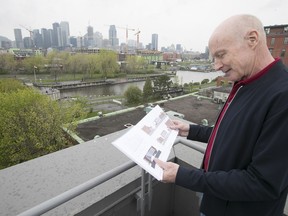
[(31, 34), (127, 29), (137, 34)]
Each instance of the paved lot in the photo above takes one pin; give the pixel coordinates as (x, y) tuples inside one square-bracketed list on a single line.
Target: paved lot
[(194, 110)]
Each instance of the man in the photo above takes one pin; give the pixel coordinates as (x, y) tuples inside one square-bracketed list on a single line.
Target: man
[(245, 166)]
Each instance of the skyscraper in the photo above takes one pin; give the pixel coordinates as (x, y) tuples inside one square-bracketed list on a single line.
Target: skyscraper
[(114, 41), (65, 32), (90, 38), (37, 38), (46, 40), (18, 38), (154, 42), (57, 39)]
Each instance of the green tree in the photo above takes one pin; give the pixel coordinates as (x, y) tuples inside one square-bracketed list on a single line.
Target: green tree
[(107, 63), (135, 63), (132, 64), (7, 63), (133, 95), (204, 81), (147, 90), (161, 85), (31, 124)]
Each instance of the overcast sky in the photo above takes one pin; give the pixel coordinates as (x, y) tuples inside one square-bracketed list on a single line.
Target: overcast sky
[(185, 22)]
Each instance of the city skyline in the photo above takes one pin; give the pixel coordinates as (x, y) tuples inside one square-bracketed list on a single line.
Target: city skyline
[(59, 37), (185, 22)]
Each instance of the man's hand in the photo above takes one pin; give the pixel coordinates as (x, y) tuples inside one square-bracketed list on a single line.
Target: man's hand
[(169, 170), (182, 127)]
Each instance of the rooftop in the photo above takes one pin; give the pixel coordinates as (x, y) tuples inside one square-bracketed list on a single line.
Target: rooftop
[(194, 109)]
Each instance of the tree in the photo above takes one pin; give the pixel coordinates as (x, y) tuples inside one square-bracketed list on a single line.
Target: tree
[(135, 63), (204, 81), (133, 95), (7, 63), (147, 90), (31, 124), (107, 63), (161, 85)]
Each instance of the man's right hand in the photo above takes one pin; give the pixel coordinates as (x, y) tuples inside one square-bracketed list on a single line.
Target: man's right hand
[(182, 127)]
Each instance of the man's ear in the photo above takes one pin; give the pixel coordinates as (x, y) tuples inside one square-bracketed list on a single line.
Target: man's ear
[(253, 38)]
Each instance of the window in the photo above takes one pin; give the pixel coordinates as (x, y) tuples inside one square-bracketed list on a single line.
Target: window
[(283, 53), (272, 41), (286, 40), (267, 30), (286, 29)]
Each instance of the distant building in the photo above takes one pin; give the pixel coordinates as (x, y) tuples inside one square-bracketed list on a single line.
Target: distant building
[(179, 48), (114, 41), (90, 36), (37, 38), (5, 43), (46, 38), (65, 30), (277, 41), (154, 44), (18, 38), (60, 35), (220, 95), (98, 38)]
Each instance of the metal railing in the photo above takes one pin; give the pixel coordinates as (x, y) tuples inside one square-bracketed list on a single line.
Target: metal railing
[(78, 190)]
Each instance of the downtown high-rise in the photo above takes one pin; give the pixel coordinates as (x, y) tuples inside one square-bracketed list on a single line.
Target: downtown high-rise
[(154, 44)]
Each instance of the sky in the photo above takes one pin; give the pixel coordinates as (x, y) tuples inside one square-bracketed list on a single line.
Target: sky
[(186, 22)]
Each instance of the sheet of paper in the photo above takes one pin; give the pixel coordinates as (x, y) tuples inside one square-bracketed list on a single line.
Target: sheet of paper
[(150, 138)]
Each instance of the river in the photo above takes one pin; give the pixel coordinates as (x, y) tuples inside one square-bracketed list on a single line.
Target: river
[(118, 89)]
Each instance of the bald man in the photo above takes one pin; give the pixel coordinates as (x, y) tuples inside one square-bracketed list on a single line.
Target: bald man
[(245, 166)]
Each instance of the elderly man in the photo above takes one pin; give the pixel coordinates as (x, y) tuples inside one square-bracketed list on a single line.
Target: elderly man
[(245, 166)]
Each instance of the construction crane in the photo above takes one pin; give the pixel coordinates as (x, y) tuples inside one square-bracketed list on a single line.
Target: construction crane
[(31, 34), (137, 34), (127, 29)]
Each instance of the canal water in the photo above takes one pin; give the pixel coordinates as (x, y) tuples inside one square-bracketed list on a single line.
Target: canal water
[(119, 89)]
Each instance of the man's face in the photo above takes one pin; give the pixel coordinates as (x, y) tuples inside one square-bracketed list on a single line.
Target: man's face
[(231, 56)]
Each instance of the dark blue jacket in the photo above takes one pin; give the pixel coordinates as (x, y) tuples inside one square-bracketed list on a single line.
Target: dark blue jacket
[(248, 169)]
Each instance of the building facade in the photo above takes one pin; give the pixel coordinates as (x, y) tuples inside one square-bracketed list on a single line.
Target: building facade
[(90, 36), (65, 30), (114, 41), (18, 38), (277, 41), (154, 44)]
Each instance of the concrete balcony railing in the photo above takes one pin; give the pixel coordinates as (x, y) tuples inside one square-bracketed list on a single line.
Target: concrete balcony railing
[(112, 192), (142, 194)]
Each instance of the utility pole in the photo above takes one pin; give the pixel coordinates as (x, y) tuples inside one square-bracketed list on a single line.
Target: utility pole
[(35, 73)]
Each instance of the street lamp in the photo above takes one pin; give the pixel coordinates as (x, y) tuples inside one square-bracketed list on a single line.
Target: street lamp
[(35, 73)]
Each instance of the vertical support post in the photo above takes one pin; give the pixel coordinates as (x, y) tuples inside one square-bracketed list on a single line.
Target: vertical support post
[(150, 191), (143, 192)]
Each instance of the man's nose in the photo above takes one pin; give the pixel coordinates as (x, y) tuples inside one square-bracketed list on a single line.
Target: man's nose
[(217, 65)]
